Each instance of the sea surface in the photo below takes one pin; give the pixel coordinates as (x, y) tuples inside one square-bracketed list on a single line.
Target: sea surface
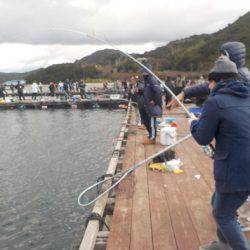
[(46, 159)]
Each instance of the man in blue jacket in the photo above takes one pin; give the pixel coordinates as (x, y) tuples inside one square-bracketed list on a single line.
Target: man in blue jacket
[(152, 95), (236, 51), (226, 118)]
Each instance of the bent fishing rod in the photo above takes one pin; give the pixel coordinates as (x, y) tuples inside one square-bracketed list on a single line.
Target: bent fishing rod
[(124, 174), (141, 65)]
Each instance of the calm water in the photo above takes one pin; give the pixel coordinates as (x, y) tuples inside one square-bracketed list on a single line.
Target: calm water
[(46, 159)]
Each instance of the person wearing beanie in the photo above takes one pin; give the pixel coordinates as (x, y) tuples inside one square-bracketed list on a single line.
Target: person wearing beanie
[(236, 52), (226, 118), (223, 69)]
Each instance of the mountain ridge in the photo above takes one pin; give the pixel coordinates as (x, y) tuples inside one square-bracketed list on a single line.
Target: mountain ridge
[(194, 53)]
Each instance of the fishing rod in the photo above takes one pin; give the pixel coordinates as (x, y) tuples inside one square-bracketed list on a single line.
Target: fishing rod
[(150, 72), (122, 175)]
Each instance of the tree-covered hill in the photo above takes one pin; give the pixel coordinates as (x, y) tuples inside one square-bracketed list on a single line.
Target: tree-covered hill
[(199, 52), (195, 53)]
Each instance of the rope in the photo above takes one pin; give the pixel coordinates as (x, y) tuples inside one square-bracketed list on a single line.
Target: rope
[(96, 216)]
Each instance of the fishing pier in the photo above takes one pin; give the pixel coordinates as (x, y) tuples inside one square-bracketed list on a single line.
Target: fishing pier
[(151, 209), (64, 104)]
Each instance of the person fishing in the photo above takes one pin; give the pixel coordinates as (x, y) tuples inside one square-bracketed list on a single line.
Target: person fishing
[(226, 118), (82, 87), (152, 97), (137, 96), (35, 90), (236, 51), (3, 92), (20, 93)]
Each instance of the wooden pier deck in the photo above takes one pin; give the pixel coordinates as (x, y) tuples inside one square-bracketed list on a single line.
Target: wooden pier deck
[(155, 210)]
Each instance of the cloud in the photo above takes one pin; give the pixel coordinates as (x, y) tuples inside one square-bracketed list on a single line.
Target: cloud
[(23, 57), (36, 34), (122, 22)]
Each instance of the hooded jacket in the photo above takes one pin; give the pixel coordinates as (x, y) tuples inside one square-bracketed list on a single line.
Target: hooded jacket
[(237, 53), (152, 92), (226, 117)]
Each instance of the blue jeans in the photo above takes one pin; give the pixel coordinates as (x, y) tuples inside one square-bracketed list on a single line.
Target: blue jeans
[(150, 123), (225, 206)]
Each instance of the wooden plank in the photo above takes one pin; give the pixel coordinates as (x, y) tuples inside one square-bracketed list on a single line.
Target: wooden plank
[(205, 166), (119, 237), (197, 195), (162, 231), (141, 235), (121, 225), (92, 229), (184, 231), (182, 224)]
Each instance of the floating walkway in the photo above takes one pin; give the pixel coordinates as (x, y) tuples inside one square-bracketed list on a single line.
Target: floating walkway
[(57, 104), (155, 210)]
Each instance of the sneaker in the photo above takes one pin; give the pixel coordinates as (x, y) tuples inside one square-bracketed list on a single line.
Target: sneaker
[(149, 141), (216, 245), (141, 127)]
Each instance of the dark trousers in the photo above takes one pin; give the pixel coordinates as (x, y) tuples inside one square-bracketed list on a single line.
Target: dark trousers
[(149, 122), (34, 96), (21, 95), (82, 93), (225, 206)]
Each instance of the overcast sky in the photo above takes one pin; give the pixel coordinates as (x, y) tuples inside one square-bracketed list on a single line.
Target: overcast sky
[(36, 34)]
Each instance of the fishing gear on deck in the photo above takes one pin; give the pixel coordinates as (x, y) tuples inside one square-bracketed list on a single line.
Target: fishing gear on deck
[(122, 175)]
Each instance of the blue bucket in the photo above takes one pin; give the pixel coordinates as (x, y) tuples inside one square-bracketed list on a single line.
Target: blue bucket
[(196, 111)]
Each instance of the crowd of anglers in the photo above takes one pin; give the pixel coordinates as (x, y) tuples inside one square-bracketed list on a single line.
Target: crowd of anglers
[(67, 88), (225, 119)]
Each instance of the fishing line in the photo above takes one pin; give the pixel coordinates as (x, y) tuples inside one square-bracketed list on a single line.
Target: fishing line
[(132, 59), (120, 176)]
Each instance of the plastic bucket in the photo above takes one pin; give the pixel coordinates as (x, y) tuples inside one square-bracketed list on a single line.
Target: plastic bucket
[(168, 135)]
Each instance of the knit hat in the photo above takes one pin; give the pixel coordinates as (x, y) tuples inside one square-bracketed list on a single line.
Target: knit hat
[(223, 69)]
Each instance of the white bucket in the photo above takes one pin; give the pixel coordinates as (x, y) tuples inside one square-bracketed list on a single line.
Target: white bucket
[(168, 135)]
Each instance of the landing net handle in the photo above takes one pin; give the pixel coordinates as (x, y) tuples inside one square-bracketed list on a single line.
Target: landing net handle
[(124, 174)]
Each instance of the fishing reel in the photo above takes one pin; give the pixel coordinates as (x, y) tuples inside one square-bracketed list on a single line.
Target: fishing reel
[(209, 150)]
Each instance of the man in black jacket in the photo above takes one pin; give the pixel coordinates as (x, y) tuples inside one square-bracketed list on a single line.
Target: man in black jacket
[(20, 93), (152, 96)]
